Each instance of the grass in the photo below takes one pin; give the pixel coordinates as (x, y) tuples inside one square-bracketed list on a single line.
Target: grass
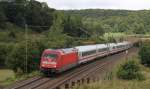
[(5, 75), (118, 84), (8, 77), (111, 81)]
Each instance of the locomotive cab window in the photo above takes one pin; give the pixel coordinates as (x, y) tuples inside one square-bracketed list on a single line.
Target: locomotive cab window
[(51, 56)]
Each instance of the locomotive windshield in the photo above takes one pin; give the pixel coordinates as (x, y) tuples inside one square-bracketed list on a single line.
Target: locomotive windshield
[(51, 56)]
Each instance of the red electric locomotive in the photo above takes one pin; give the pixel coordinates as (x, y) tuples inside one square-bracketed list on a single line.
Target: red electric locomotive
[(56, 61)]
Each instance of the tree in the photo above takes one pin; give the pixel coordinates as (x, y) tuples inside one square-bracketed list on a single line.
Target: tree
[(56, 38), (130, 70), (145, 53), (72, 25), (39, 16), (17, 58), (3, 53), (2, 19), (139, 28), (15, 11), (5, 50)]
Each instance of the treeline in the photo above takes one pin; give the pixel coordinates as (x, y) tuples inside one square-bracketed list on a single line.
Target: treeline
[(98, 13), (131, 22)]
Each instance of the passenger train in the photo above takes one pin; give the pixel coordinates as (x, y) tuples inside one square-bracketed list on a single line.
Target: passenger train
[(59, 60)]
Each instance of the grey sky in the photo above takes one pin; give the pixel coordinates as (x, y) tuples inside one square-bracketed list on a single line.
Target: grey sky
[(102, 4)]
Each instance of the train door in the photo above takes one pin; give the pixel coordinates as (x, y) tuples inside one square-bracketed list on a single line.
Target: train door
[(109, 48), (79, 56)]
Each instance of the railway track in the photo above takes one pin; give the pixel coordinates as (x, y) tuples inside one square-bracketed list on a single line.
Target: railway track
[(69, 76), (85, 70), (20, 84), (44, 82), (98, 66), (36, 82)]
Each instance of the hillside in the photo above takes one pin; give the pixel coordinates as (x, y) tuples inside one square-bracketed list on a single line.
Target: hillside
[(116, 20)]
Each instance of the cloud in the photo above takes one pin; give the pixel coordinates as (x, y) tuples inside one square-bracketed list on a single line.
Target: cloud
[(102, 4)]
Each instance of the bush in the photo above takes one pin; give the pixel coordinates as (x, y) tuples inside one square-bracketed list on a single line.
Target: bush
[(17, 58), (4, 52), (129, 70), (145, 53)]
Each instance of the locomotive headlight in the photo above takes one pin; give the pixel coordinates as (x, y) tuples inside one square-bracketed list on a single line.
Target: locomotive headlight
[(54, 63), (46, 62)]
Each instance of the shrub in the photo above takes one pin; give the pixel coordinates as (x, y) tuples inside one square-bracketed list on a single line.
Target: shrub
[(17, 58), (145, 53), (129, 70), (4, 52)]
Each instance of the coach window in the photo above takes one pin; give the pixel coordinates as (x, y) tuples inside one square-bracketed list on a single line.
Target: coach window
[(99, 50), (93, 51), (119, 46), (88, 53), (113, 47), (84, 53), (103, 49)]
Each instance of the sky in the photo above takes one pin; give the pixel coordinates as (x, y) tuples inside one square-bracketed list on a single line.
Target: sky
[(98, 4)]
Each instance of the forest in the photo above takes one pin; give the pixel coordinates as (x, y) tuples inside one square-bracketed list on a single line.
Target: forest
[(130, 22), (27, 27)]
